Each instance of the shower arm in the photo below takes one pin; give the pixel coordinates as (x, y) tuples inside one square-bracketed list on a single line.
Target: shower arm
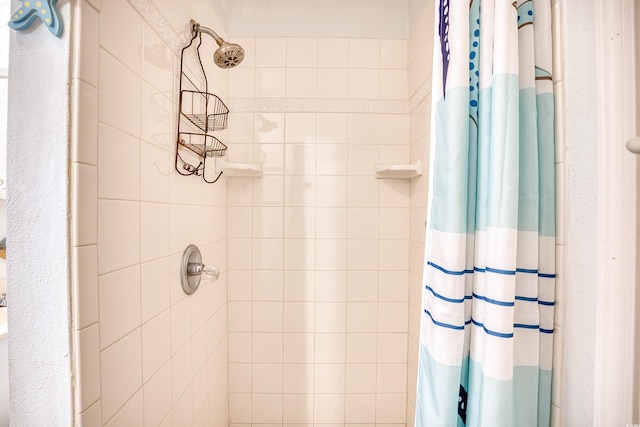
[(197, 28)]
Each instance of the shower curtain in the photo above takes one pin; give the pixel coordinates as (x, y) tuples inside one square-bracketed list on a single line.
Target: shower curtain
[(489, 278)]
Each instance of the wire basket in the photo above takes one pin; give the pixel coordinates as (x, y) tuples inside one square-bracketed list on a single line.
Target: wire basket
[(201, 144), (193, 102)]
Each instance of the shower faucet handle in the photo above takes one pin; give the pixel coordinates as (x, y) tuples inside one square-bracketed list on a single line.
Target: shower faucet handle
[(3, 299)]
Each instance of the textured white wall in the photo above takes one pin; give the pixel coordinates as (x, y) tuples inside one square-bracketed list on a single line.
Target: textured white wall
[(581, 194), (381, 19), (38, 232)]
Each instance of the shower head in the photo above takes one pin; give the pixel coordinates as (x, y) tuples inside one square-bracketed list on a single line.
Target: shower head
[(228, 55)]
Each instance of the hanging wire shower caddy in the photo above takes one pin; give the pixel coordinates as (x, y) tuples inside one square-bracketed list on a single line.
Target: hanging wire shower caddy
[(200, 114)]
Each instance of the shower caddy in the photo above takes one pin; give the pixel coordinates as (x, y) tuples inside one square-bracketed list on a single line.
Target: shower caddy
[(201, 113)]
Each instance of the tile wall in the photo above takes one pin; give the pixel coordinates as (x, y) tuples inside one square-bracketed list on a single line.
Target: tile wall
[(420, 57), (145, 354), (318, 248)]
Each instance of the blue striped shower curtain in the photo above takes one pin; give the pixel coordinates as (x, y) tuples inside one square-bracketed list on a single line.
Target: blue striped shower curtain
[(489, 279)]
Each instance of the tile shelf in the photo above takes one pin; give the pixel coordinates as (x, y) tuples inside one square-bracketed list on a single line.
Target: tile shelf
[(247, 170), (405, 171)]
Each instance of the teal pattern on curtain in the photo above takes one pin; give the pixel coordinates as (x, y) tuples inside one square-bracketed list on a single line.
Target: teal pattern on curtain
[(489, 277)]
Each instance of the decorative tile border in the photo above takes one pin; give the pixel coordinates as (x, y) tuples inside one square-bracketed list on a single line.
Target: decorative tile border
[(314, 105), (420, 95), (159, 24)]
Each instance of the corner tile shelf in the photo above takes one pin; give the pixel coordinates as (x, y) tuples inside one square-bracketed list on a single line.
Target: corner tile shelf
[(248, 170), (399, 171)]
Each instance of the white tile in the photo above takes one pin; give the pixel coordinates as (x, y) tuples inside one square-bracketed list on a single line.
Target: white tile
[(271, 156), (362, 286), (331, 286), (267, 222), (240, 377), (242, 83), (85, 122), (363, 159), (267, 408), (362, 254), (394, 223), (240, 408), (119, 95), (331, 254), (157, 397), (156, 344), (239, 253), (269, 127), (183, 410), (271, 52), (393, 317), (331, 159), (267, 347), (297, 409), (302, 52), (299, 254), (332, 128), (120, 373), (394, 194), (329, 408), (364, 83), (299, 285), (301, 128), (300, 159), (363, 191), (365, 129), (330, 317), (92, 417), (157, 124), (155, 168), (179, 228), (180, 324), (267, 316), (364, 53), (239, 316), (393, 54), (299, 222), (361, 348), (302, 83), (181, 374), (360, 408), (154, 231), (87, 367), (361, 378), (331, 191), (299, 348), (131, 413), (393, 84), (363, 223), (393, 286), (333, 52), (85, 203), (85, 282), (393, 129), (269, 191), (267, 254), (330, 348), (87, 45), (392, 378), (267, 285), (391, 408), (299, 317), (155, 288), (239, 347), (394, 254), (266, 378), (121, 32), (330, 378), (331, 223), (270, 83), (157, 59), (300, 190), (119, 304), (333, 83), (298, 378), (118, 164), (362, 317)]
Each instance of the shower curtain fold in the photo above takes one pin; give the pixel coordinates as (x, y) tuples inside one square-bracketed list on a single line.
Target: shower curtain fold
[(489, 276)]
